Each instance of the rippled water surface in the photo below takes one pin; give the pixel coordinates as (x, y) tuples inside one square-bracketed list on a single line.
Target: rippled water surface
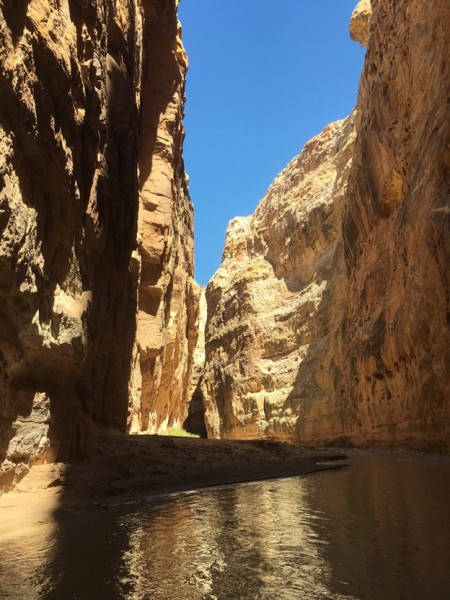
[(378, 529)]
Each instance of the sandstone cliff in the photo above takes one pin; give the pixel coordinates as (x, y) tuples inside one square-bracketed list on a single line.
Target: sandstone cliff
[(195, 422), (96, 224), (396, 342), (168, 295), (271, 319), (328, 318)]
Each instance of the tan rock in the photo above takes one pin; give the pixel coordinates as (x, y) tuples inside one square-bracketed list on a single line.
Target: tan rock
[(195, 421), (396, 376), (96, 223), (167, 293), (198, 364), (328, 319), (269, 320), (359, 22)]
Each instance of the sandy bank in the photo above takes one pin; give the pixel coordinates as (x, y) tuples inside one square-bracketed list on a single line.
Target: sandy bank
[(124, 467)]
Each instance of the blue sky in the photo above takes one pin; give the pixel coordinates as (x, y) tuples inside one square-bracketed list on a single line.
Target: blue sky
[(264, 78)]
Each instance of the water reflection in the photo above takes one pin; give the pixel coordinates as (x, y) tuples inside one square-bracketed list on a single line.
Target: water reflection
[(374, 531), (388, 527), (252, 541), (23, 567)]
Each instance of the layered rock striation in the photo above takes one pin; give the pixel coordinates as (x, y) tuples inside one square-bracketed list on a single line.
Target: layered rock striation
[(328, 320), (195, 422), (271, 317), (97, 300), (168, 296), (396, 233)]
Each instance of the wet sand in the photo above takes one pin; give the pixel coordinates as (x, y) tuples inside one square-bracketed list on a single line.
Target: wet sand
[(130, 468)]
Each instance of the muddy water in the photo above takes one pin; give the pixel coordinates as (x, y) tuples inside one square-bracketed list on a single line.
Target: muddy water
[(379, 529)]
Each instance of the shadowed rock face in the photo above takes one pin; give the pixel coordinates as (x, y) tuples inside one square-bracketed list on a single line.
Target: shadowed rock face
[(195, 422), (168, 295), (90, 144), (328, 318)]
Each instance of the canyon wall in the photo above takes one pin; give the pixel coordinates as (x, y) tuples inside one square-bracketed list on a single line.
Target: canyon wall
[(328, 320), (195, 422), (396, 232), (97, 300), (276, 301), (168, 296)]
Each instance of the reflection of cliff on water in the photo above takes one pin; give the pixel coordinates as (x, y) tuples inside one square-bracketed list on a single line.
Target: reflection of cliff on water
[(386, 526), (373, 531), (248, 541)]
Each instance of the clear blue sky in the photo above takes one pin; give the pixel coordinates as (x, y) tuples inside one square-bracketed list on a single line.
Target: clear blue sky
[(265, 77)]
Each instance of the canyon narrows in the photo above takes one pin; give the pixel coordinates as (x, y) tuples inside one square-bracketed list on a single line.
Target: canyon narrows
[(328, 320)]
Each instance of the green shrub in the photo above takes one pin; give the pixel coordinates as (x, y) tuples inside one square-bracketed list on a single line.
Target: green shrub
[(175, 431)]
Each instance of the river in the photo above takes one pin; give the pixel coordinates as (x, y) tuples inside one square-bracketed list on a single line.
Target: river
[(375, 530)]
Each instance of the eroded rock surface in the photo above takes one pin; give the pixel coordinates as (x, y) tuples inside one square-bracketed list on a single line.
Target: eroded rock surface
[(329, 316), (396, 229), (195, 422), (270, 317), (95, 219), (359, 22), (168, 295)]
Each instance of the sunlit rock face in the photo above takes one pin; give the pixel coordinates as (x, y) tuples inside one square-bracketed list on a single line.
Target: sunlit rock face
[(329, 316), (396, 342), (271, 318), (96, 223), (359, 22), (198, 363)]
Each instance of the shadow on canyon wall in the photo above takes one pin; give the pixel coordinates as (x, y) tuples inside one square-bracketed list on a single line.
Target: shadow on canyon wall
[(85, 226)]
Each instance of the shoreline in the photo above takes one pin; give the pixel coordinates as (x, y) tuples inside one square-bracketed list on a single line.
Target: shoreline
[(226, 481), (124, 470), (128, 469)]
